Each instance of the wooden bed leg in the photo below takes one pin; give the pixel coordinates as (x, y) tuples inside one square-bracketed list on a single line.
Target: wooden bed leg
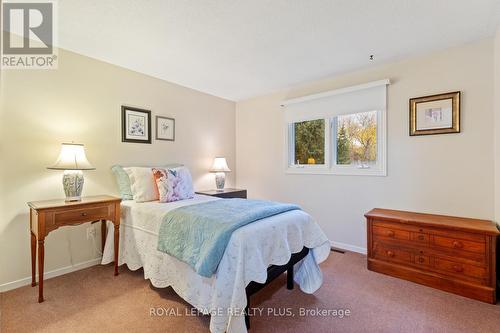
[(289, 278)]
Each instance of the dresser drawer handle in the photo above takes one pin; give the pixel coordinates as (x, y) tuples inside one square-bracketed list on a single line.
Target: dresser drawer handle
[(421, 259), (457, 244), (390, 233), (458, 268), (84, 214), (390, 254), (421, 237)]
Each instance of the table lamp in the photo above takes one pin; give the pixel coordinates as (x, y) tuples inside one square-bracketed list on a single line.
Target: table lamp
[(220, 168), (72, 160)]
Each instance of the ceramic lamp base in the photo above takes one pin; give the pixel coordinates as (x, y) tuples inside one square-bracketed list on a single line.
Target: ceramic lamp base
[(73, 185), (220, 180)]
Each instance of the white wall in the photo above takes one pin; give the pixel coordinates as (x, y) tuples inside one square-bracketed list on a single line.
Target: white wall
[(448, 174), (80, 102)]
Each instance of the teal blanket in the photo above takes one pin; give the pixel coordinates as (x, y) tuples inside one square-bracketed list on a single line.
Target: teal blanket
[(198, 234)]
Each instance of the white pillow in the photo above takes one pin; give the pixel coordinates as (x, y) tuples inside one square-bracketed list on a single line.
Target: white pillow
[(142, 184)]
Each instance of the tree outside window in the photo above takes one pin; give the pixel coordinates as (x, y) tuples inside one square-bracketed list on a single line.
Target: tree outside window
[(357, 139), (310, 142)]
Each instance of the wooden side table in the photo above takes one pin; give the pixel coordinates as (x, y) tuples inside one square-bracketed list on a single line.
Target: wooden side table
[(226, 193), (46, 216)]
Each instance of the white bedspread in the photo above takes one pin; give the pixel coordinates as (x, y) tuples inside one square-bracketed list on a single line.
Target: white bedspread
[(250, 251)]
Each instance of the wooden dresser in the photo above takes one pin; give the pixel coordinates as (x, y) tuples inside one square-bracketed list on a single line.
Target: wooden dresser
[(444, 252)]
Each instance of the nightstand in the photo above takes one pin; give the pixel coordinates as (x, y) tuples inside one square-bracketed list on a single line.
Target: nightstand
[(46, 216), (227, 193)]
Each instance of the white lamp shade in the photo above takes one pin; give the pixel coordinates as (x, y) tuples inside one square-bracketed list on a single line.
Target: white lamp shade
[(72, 157), (220, 165)]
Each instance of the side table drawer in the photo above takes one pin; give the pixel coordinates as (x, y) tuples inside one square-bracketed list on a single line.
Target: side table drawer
[(83, 215)]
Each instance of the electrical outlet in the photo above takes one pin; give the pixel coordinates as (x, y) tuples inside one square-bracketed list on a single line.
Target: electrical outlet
[(91, 233)]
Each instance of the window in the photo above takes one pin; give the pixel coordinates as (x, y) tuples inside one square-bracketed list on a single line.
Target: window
[(338, 132), (309, 139), (356, 136)]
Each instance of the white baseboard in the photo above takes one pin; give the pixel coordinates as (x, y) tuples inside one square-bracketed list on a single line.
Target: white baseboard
[(348, 247), (47, 275)]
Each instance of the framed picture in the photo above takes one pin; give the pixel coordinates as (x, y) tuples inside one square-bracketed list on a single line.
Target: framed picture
[(436, 114), (165, 128), (136, 125)]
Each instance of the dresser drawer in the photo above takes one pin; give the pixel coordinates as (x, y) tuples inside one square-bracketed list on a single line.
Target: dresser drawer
[(458, 244), (82, 215), (387, 253), (391, 233), (459, 269)]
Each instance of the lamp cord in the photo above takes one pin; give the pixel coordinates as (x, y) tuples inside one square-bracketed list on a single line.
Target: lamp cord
[(69, 249)]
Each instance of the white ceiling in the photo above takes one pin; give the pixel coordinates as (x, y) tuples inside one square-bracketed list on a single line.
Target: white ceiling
[(242, 48)]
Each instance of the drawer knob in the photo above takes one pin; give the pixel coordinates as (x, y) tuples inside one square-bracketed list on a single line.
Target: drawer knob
[(390, 233), (421, 237), (421, 259), (458, 268), (390, 254), (84, 214), (457, 244)]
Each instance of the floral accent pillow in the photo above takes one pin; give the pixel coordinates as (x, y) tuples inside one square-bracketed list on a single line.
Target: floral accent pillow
[(173, 184), (160, 179)]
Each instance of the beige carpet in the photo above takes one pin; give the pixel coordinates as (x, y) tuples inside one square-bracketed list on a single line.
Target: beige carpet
[(92, 300)]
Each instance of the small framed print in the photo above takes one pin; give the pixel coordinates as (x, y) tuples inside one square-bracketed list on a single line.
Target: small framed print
[(165, 128), (436, 114), (136, 125)]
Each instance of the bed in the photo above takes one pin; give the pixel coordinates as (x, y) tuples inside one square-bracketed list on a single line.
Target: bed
[(252, 249)]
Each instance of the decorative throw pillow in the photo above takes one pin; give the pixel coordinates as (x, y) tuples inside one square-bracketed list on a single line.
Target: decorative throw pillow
[(183, 188), (160, 177), (142, 184), (173, 184), (123, 182)]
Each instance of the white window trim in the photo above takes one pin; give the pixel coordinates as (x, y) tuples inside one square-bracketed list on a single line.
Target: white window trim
[(330, 167)]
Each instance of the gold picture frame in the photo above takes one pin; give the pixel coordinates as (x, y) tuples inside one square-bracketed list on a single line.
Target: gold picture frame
[(435, 114)]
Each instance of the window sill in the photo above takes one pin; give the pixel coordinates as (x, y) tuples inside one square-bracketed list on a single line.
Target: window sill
[(336, 171)]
